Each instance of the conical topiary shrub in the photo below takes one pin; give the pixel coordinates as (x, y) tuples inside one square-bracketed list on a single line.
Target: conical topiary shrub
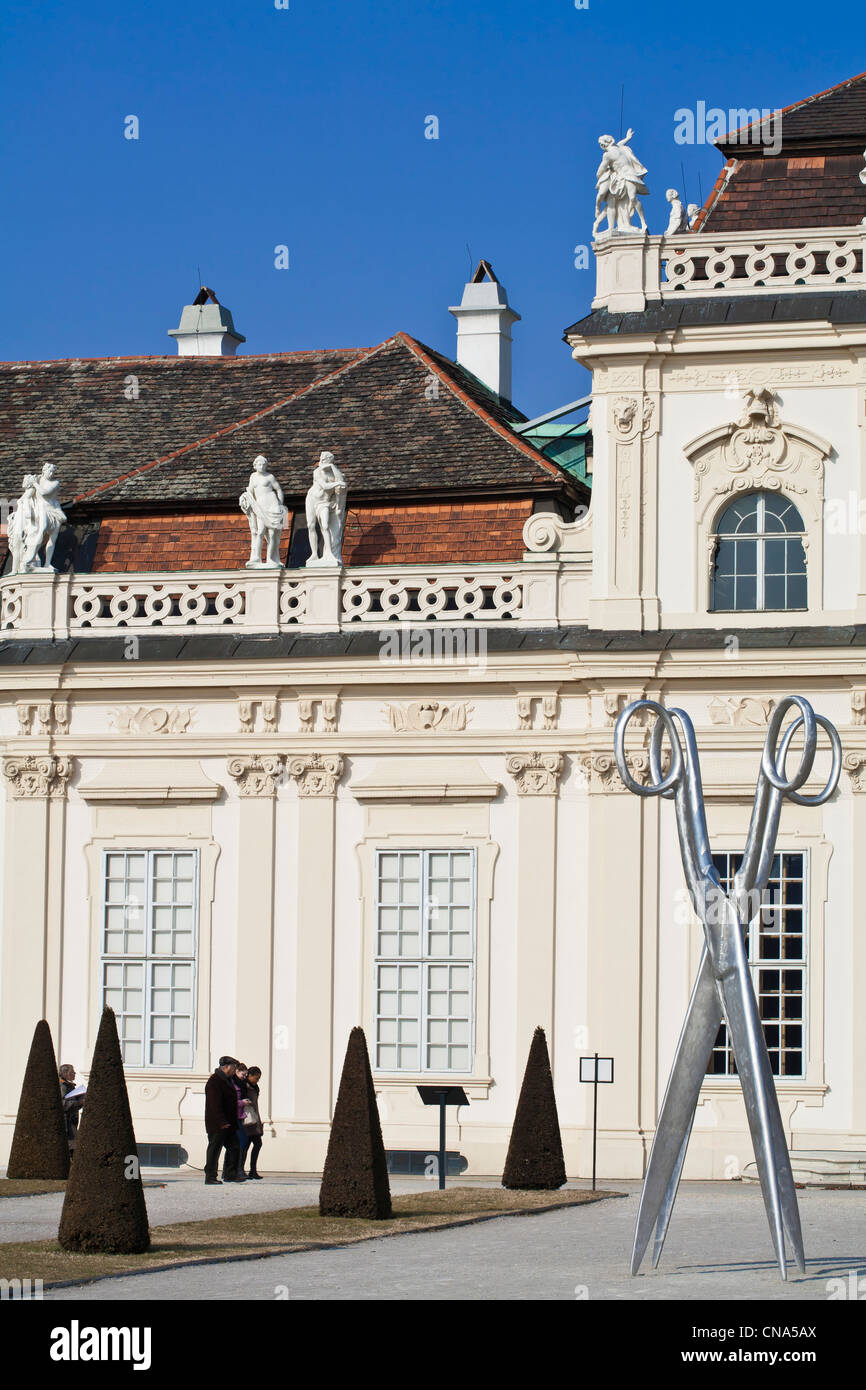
[(40, 1148), (104, 1211), (355, 1180), (534, 1160)]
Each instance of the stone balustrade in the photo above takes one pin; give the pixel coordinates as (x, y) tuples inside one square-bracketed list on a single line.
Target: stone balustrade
[(634, 269), (542, 591)]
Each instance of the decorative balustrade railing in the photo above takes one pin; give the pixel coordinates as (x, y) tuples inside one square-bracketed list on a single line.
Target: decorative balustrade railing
[(634, 269), (544, 591)]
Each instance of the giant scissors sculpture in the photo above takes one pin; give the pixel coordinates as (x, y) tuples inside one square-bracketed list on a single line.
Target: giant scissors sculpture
[(723, 989)]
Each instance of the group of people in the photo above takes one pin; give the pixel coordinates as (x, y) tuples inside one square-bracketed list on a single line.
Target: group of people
[(232, 1120)]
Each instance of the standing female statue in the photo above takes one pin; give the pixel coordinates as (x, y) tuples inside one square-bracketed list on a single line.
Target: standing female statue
[(36, 523), (262, 503)]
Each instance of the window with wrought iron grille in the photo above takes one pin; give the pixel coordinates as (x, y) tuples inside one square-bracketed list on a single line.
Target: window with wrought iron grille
[(148, 964), (425, 953), (760, 562), (776, 942)]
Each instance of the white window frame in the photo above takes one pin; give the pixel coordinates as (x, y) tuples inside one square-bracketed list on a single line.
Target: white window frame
[(424, 961), (759, 538), (146, 958), (756, 965)]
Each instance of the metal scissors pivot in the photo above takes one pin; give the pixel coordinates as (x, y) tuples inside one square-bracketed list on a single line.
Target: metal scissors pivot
[(723, 990)]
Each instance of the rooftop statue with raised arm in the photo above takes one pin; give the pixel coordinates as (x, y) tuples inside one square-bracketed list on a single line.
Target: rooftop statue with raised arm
[(263, 505), (326, 512), (619, 181), (35, 524)]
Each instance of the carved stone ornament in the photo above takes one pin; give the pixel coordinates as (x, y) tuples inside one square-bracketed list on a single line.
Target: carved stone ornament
[(858, 706), (677, 221), (423, 716), (328, 704), (601, 772), (536, 774), (34, 776), (154, 719), (316, 774), (746, 711), (855, 766), (256, 774), (549, 705), (757, 451)]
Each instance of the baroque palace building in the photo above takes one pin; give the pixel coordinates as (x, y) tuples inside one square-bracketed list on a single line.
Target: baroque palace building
[(249, 808)]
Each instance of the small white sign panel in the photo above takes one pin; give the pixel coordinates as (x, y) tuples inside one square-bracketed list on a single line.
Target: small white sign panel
[(605, 1069)]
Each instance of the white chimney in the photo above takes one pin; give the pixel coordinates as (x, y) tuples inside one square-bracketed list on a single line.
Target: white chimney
[(206, 329), (484, 321)]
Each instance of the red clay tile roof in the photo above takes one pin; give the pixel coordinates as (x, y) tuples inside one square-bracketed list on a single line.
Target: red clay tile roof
[(813, 181)]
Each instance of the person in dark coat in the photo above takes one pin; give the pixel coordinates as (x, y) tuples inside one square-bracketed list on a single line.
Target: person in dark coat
[(71, 1108), (221, 1119), (253, 1123), (233, 1163)]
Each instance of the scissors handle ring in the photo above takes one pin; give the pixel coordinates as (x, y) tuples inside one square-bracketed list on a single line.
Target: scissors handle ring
[(658, 785), (774, 757), (832, 781)]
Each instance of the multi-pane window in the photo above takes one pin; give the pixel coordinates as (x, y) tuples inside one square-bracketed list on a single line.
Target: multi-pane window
[(150, 905), (760, 561), (776, 941), (425, 930)]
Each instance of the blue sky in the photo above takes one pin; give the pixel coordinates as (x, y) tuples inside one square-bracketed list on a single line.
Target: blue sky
[(305, 127)]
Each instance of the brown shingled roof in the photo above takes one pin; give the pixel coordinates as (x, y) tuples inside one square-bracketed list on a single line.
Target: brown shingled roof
[(813, 181), (399, 418)]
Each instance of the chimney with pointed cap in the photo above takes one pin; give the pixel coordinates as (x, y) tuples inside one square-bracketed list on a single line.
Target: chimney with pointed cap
[(484, 318), (206, 328)]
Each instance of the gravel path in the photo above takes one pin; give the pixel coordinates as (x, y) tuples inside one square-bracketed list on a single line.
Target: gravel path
[(718, 1248)]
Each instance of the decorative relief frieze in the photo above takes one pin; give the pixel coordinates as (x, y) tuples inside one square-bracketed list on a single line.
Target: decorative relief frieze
[(425, 716), (256, 774), (724, 378), (745, 711), (316, 774), (151, 719), (615, 701), (34, 776), (536, 774), (858, 706)]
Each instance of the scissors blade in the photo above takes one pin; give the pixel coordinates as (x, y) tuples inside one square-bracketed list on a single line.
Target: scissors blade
[(762, 1110), (677, 1113)]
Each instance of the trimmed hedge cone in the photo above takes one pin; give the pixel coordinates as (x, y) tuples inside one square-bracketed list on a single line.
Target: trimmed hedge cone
[(40, 1148), (355, 1179), (534, 1161), (104, 1211)]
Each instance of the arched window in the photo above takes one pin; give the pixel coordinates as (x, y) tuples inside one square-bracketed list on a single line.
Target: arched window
[(760, 561)]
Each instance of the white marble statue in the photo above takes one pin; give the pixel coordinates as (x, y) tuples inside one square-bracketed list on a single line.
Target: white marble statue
[(35, 524), (692, 212), (619, 181), (677, 221), (326, 510), (263, 506)]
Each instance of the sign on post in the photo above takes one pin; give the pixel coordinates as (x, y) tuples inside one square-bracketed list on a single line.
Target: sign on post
[(596, 1071), (442, 1096)]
